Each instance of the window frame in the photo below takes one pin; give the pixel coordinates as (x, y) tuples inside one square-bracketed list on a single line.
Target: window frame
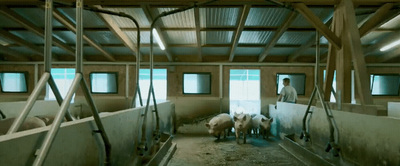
[(26, 81), (116, 85), (183, 83), (304, 87), (384, 74)]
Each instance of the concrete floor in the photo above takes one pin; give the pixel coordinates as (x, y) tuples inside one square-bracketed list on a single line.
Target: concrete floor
[(201, 150)]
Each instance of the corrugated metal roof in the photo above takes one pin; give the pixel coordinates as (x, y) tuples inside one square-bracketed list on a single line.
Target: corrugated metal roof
[(29, 36), (373, 37), (183, 50), (136, 13), (90, 19), (67, 36), (323, 14), (144, 36), (180, 37), (8, 23), (248, 51), (311, 51), (215, 51), (90, 51), (156, 51), (103, 37), (216, 37), (256, 37), (294, 37), (35, 16), (393, 23), (124, 51), (60, 51), (218, 17), (23, 50), (266, 16), (282, 51), (5, 42), (183, 19)]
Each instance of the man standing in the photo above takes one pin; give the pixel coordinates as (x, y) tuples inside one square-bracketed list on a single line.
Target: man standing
[(288, 93)]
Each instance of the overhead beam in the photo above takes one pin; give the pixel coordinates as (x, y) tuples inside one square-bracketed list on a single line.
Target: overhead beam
[(318, 24), (390, 55), (277, 35), (238, 33), (21, 42), (376, 20), (302, 48), (33, 28), (392, 37), (150, 18), (68, 24), (113, 26), (13, 53), (198, 34)]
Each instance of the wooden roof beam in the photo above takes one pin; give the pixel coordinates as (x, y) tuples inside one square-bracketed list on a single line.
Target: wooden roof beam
[(113, 26), (68, 24), (33, 28), (376, 20), (13, 53), (277, 35), (318, 24), (198, 34), (150, 18), (239, 30), (21, 42)]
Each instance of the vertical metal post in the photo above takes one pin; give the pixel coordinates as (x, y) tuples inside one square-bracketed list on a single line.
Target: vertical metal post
[(48, 140), (36, 76), (317, 58), (221, 77), (48, 35), (127, 81), (79, 30)]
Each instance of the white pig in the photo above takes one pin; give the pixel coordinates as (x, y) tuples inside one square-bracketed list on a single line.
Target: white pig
[(242, 124), (29, 123), (219, 124), (261, 124)]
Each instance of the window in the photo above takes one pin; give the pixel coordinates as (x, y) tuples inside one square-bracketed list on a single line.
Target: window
[(297, 81), (159, 85), (63, 78), (196, 83), (244, 91), (13, 82), (385, 84), (105, 83)]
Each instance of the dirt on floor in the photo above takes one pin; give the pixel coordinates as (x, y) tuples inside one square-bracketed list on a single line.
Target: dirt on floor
[(200, 150)]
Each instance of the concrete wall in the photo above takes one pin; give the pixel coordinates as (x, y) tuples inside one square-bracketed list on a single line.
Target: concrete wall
[(394, 109), (363, 139), (76, 144)]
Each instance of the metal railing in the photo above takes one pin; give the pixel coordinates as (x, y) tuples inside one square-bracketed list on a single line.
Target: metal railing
[(333, 143)]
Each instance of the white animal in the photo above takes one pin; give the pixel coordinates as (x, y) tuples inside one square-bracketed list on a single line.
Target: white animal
[(220, 124), (29, 123), (242, 124), (261, 124)]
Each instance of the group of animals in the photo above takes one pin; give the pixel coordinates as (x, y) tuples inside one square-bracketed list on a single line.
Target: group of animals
[(243, 123)]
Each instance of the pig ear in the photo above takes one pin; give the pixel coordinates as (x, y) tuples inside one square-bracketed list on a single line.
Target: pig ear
[(244, 118), (271, 120), (235, 118), (263, 119), (208, 125), (215, 124)]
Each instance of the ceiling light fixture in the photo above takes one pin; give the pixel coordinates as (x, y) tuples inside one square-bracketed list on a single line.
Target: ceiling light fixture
[(160, 43), (391, 45)]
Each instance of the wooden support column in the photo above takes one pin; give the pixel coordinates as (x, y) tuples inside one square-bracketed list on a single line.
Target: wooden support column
[(376, 20), (352, 41), (198, 34)]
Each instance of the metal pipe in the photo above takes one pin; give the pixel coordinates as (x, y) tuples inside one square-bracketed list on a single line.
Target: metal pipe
[(328, 115), (48, 140), (79, 36), (317, 58), (29, 103), (48, 35), (57, 94), (308, 111), (97, 119)]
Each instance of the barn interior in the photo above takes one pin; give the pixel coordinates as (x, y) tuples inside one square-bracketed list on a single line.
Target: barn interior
[(135, 82)]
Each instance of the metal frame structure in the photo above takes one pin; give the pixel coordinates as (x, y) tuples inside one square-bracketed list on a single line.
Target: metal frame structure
[(333, 143), (49, 138), (156, 134)]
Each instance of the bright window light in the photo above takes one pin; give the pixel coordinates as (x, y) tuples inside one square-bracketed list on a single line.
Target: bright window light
[(391, 45), (158, 39)]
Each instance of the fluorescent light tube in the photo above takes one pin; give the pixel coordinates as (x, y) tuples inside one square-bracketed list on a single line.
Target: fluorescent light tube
[(391, 45), (155, 33)]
